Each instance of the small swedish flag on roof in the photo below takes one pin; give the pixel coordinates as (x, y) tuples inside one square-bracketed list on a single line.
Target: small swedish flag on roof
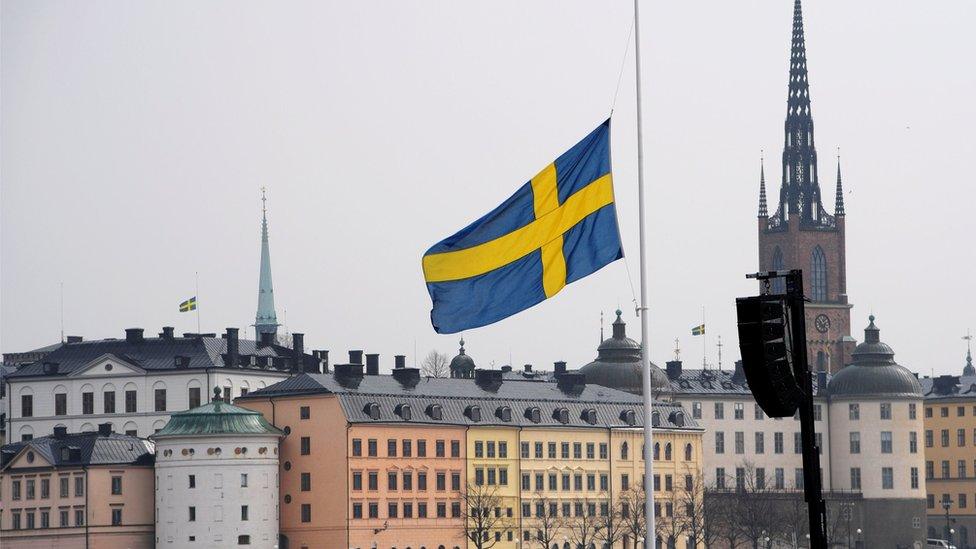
[(189, 305), (698, 330), (556, 229)]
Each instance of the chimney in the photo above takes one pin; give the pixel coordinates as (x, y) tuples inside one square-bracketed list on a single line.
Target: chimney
[(571, 383), (399, 362), (167, 332), (133, 335), (233, 347), (348, 375), (355, 357), (104, 429), (60, 432), (267, 339), (559, 367), (528, 368), (489, 380), (75, 339), (323, 361), (506, 368), (673, 369), (372, 364), (298, 350), (50, 368), (408, 377), (739, 375)]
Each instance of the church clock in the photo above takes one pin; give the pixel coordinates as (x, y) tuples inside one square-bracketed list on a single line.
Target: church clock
[(822, 323)]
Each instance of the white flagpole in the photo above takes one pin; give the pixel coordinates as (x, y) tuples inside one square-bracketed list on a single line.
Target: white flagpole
[(650, 536)]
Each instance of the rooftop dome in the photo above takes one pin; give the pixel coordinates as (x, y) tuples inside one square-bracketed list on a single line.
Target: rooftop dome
[(217, 418), (462, 365), (874, 371), (618, 364)]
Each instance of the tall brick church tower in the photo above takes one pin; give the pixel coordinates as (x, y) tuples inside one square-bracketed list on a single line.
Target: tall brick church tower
[(800, 234)]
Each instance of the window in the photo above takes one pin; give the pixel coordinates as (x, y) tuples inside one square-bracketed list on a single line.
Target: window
[(455, 448), (159, 397), (603, 450), (577, 450), (740, 442), (738, 410), (63, 518), (244, 512), (374, 481), (854, 412), (456, 481), (422, 448), (817, 412), (116, 516), (193, 397), (421, 480), (357, 510), (945, 438), (306, 446), (696, 410), (960, 437), (130, 402), (46, 488), (760, 443), (116, 485), (374, 510), (913, 442), (719, 442), (79, 486), (798, 478), (307, 482), (407, 480), (357, 447), (526, 482), (63, 481), (855, 443), (914, 477), (590, 450), (719, 410), (422, 509), (961, 468), (945, 471), (243, 539), (912, 411), (371, 447), (79, 517), (441, 482), (740, 478), (357, 481), (304, 412), (524, 450), (391, 481), (961, 501), (243, 480), (720, 478), (406, 449), (108, 402), (490, 449), (624, 482), (623, 448), (778, 443), (61, 404), (779, 478), (885, 410), (797, 443), (928, 438), (887, 478), (779, 284), (391, 510), (391, 447), (192, 481), (564, 450), (944, 411), (307, 512), (27, 406), (87, 403), (455, 509)]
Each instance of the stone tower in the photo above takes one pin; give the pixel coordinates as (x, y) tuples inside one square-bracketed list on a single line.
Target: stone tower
[(800, 233)]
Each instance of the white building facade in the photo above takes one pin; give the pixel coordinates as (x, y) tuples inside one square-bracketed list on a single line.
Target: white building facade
[(136, 383), (217, 479)]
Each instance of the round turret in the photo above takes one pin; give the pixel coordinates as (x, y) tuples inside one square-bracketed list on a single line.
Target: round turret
[(874, 371), (462, 365)]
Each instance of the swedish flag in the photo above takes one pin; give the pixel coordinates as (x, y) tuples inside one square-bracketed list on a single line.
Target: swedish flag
[(556, 229), (698, 330), (189, 305)]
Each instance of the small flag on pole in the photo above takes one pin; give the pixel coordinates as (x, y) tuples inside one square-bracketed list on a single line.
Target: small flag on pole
[(698, 330), (189, 305)]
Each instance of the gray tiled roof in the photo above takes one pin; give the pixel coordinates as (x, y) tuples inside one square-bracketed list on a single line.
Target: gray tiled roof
[(456, 395), (94, 449), (948, 387), (156, 353), (721, 382)]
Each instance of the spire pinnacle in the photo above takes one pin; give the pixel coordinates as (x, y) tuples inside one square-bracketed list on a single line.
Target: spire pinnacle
[(763, 209), (839, 201), (266, 320), (969, 369)]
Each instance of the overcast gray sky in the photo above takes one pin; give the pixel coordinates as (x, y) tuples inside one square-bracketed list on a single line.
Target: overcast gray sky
[(136, 136)]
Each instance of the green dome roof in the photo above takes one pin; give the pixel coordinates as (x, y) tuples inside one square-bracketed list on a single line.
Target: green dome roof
[(217, 418)]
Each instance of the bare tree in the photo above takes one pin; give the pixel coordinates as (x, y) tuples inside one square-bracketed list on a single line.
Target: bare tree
[(632, 513), (612, 525), (483, 517), (700, 511), (547, 522), (435, 364), (584, 526), (757, 509)]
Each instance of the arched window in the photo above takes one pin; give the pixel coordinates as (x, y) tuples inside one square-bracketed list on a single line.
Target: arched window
[(688, 452), (657, 451), (623, 450), (667, 452), (779, 285), (818, 280)]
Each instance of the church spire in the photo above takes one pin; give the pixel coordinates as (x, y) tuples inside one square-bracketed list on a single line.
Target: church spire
[(839, 202), (969, 369), (800, 191), (763, 209), (265, 322)]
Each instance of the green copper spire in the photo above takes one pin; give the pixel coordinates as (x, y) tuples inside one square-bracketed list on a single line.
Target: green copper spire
[(266, 322)]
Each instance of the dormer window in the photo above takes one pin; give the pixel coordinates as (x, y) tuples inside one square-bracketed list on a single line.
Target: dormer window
[(589, 416), (473, 413), (435, 412), (504, 413), (677, 418), (533, 414), (65, 454), (372, 410), (628, 417), (655, 419), (561, 415), (403, 410)]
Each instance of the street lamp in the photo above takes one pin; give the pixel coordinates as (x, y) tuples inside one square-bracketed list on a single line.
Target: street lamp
[(857, 542), (946, 504)]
